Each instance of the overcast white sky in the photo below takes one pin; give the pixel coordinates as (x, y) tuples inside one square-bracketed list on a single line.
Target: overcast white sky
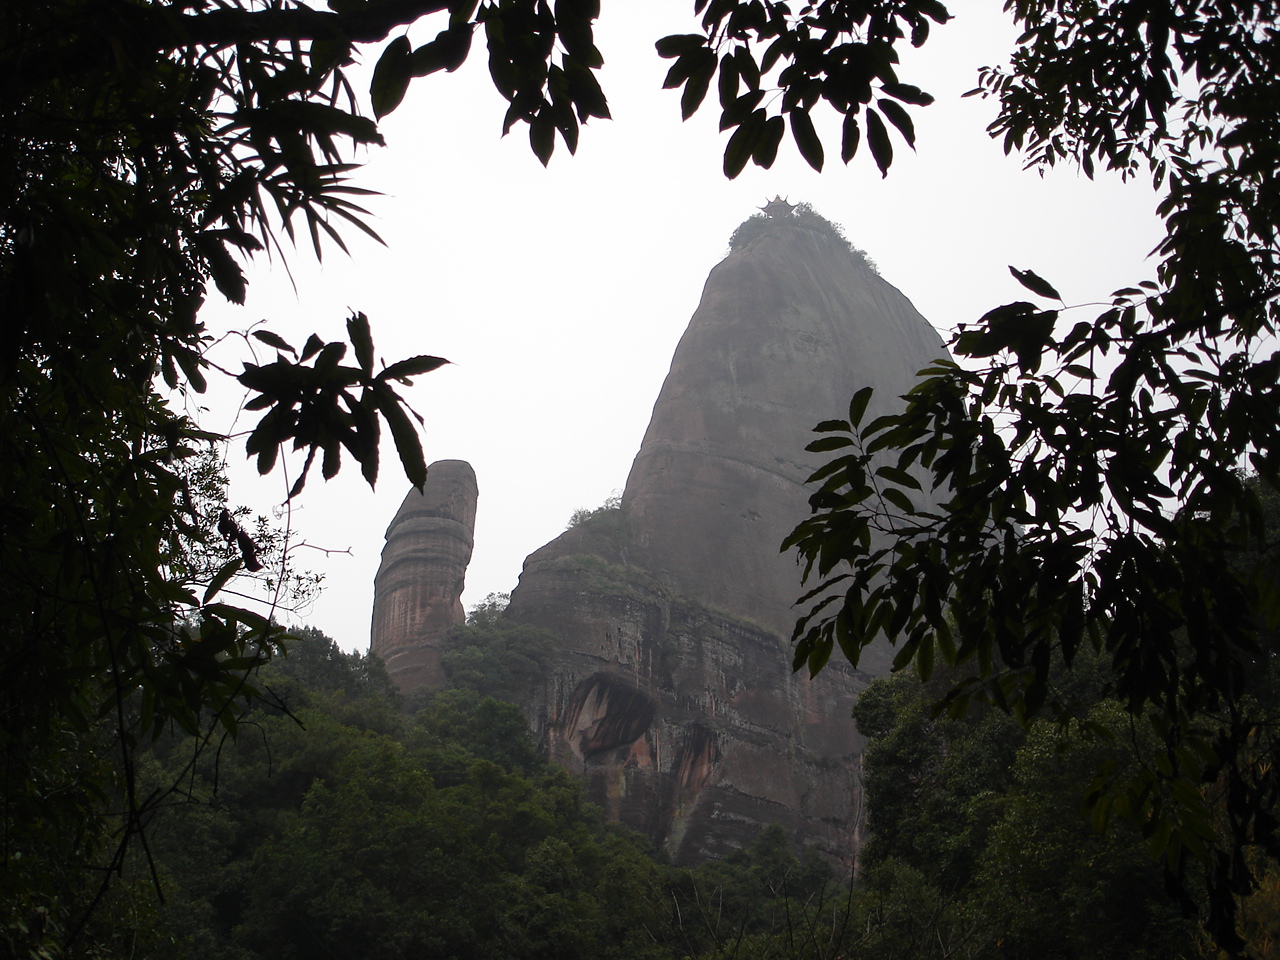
[(559, 294)]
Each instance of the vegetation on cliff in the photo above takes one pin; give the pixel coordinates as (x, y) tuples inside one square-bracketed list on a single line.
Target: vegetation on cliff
[(612, 504), (802, 218), (492, 656)]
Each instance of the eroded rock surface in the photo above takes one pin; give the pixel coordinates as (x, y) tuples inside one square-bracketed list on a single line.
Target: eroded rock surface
[(671, 690), (417, 594)]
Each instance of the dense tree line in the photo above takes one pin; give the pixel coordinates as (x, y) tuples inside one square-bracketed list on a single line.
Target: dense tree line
[(341, 821), (986, 816)]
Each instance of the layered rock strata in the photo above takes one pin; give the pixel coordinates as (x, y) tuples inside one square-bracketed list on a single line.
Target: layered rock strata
[(417, 594)]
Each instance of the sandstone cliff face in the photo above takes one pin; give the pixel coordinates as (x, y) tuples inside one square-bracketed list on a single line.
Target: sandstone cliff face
[(671, 691), (787, 331), (417, 594)]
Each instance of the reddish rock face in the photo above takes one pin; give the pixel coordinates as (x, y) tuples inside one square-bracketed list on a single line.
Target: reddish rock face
[(417, 595), (672, 692)]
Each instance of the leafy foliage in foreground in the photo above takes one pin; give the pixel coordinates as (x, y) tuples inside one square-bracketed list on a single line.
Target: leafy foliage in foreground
[(1086, 465), (841, 54), (146, 151)]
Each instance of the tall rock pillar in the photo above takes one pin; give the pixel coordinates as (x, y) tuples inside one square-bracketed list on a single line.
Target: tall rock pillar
[(417, 594)]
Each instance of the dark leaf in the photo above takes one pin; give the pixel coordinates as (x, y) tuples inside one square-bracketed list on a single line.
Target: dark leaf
[(878, 141), (900, 119), (248, 551), (309, 349), (738, 150), (766, 150), (858, 405), (542, 138), (850, 137), (935, 10), (695, 63), (267, 458), (679, 44), (331, 461), (924, 659), (225, 573), (331, 355), (728, 82), (1035, 283), (227, 275), (302, 475), (408, 446), (584, 89), (829, 443), (1030, 339), (391, 77), (907, 94), (899, 500), (403, 369), (363, 439), (695, 90), (806, 138), (274, 340), (1007, 311), (898, 476), (447, 51), (362, 341)]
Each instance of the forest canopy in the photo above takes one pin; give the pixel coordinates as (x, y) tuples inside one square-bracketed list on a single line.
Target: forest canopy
[(375, 829)]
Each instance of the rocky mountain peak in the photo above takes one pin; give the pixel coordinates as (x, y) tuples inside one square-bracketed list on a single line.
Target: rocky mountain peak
[(670, 689)]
